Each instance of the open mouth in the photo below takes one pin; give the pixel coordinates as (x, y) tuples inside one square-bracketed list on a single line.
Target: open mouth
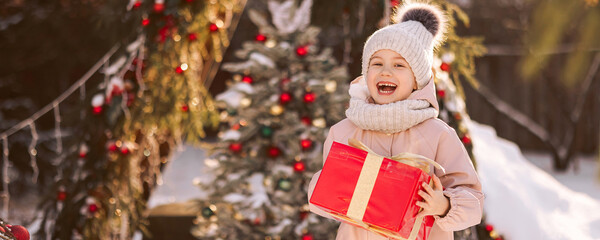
[(386, 88)]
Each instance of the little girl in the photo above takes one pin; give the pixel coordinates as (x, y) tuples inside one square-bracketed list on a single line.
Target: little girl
[(395, 110)]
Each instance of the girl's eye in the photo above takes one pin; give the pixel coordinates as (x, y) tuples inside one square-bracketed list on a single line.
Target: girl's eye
[(398, 65), (377, 64)]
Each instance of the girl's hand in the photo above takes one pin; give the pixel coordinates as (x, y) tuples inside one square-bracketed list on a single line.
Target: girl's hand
[(434, 202)]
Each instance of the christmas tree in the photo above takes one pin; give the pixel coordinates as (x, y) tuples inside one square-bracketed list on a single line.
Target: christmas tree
[(274, 117), (268, 148)]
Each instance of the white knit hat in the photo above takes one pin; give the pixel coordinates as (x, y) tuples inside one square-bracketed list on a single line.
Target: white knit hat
[(419, 28)]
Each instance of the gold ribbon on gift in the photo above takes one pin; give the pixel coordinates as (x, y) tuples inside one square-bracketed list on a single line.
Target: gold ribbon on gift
[(366, 181)]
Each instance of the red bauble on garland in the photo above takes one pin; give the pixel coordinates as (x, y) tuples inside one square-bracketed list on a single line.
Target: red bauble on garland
[(113, 147), (306, 143), (179, 70), (309, 97), (247, 79), (185, 108), (97, 110), (273, 152), (307, 236), (61, 195), (285, 98), (441, 93), (92, 208), (395, 3), (301, 51), (445, 67), (145, 22), (306, 120), (213, 27), (159, 7), (125, 151), (192, 37), (466, 139), (235, 147), (489, 227), (299, 166), (261, 38), (137, 4)]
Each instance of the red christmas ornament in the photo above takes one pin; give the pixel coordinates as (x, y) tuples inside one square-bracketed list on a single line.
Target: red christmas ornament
[(185, 108), (489, 227), (137, 4), (61, 196), (305, 143), (213, 27), (302, 51), (273, 152), (159, 7), (445, 67), (235, 147), (145, 22), (97, 110), (261, 38), (441, 93), (466, 139), (307, 236), (82, 154), (306, 120), (189, 1), (303, 215), (178, 70), (192, 37), (309, 97), (19, 232), (92, 208), (498, 238), (395, 3), (299, 166), (247, 79), (112, 148), (124, 150), (285, 98)]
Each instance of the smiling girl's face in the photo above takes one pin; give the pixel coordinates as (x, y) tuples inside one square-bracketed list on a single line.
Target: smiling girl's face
[(389, 77)]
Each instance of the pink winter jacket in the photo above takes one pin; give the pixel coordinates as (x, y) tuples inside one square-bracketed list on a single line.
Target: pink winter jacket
[(433, 139)]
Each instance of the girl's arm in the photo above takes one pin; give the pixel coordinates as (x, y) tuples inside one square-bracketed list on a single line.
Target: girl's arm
[(461, 184)]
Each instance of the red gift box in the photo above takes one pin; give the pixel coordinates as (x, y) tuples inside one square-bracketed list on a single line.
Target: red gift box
[(376, 193)]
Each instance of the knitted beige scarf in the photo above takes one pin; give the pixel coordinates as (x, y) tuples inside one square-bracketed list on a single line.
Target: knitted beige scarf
[(388, 118)]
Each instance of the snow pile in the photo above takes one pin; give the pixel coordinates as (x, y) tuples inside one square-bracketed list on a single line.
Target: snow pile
[(522, 201)]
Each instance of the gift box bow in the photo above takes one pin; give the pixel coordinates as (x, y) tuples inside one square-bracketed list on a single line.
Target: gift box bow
[(366, 181)]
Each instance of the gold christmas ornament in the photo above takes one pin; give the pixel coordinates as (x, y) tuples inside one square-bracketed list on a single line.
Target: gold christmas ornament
[(319, 122), (276, 110), (270, 43), (330, 86), (237, 77), (177, 38), (268, 182), (245, 102)]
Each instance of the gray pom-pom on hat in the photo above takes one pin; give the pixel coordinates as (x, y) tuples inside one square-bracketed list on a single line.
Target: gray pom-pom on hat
[(419, 29)]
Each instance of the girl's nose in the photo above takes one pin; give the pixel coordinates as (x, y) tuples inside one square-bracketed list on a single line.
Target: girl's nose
[(385, 71)]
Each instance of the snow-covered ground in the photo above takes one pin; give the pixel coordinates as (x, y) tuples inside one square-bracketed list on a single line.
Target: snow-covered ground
[(523, 201)]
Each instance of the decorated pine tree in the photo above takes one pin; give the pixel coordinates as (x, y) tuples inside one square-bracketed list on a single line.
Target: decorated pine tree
[(271, 134), (284, 95)]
